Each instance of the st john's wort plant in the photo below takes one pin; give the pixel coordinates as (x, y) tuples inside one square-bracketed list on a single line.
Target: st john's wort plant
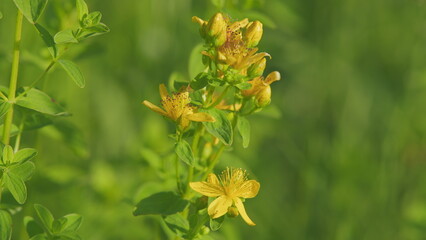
[(24, 108), (207, 111)]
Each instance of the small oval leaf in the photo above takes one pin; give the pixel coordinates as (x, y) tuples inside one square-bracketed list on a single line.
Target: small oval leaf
[(74, 72), (243, 126), (16, 187), (45, 216), (184, 152), (162, 203), (5, 225)]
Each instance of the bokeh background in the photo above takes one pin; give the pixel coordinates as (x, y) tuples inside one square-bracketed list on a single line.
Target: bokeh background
[(340, 153)]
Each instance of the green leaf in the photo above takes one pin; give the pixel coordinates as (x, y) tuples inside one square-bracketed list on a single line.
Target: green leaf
[(74, 72), (39, 237), (41, 102), (69, 236), (48, 40), (92, 31), (81, 9), (4, 107), (65, 36), (57, 225), (162, 203), (7, 154), (243, 86), (177, 223), (16, 186), (200, 81), (184, 152), (45, 216), (195, 64), (5, 225), (216, 223), (93, 18), (24, 155), (36, 120), (243, 126), (32, 227), (32, 9), (72, 223), (221, 128), (24, 171)]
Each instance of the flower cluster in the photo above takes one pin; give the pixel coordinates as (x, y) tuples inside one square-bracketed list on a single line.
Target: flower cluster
[(232, 51), (217, 102)]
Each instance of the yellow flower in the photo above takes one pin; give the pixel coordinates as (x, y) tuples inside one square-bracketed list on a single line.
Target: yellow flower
[(260, 88), (177, 107), (229, 188), (235, 41)]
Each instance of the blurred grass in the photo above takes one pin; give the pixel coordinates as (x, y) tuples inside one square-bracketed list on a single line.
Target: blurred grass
[(342, 157)]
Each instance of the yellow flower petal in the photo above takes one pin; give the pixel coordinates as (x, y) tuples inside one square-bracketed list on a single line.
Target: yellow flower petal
[(272, 77), (163, 91), (154, 108), (248, 189), (201, 117), (207, 189), (219, 206), (240, 206), (212, 178)]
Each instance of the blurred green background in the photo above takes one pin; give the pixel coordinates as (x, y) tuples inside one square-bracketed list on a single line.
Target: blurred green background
[(340, 153)]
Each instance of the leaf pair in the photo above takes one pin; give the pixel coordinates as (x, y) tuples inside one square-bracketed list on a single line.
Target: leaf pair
[(17, 169), (48, 228)]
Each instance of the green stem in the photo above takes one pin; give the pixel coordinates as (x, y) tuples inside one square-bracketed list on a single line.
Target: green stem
[(13, 78), (38, 79), (18, 138), (178, 183), (213, 160)]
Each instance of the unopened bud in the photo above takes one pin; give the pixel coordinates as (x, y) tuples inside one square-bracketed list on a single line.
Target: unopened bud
[(253, 34), (257, 68), (207, 150), (233, 212), (204, 230), (263, 97), (216, 25)]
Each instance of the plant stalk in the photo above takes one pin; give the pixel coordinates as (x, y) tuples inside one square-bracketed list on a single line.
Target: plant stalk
[(13, 78)]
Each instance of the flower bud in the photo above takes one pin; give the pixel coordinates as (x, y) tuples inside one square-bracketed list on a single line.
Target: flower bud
[(216, 26), (233, 212), (219, 39), (263, 97), (257, 68), (253, 34), (207, 150), (204, 230)]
